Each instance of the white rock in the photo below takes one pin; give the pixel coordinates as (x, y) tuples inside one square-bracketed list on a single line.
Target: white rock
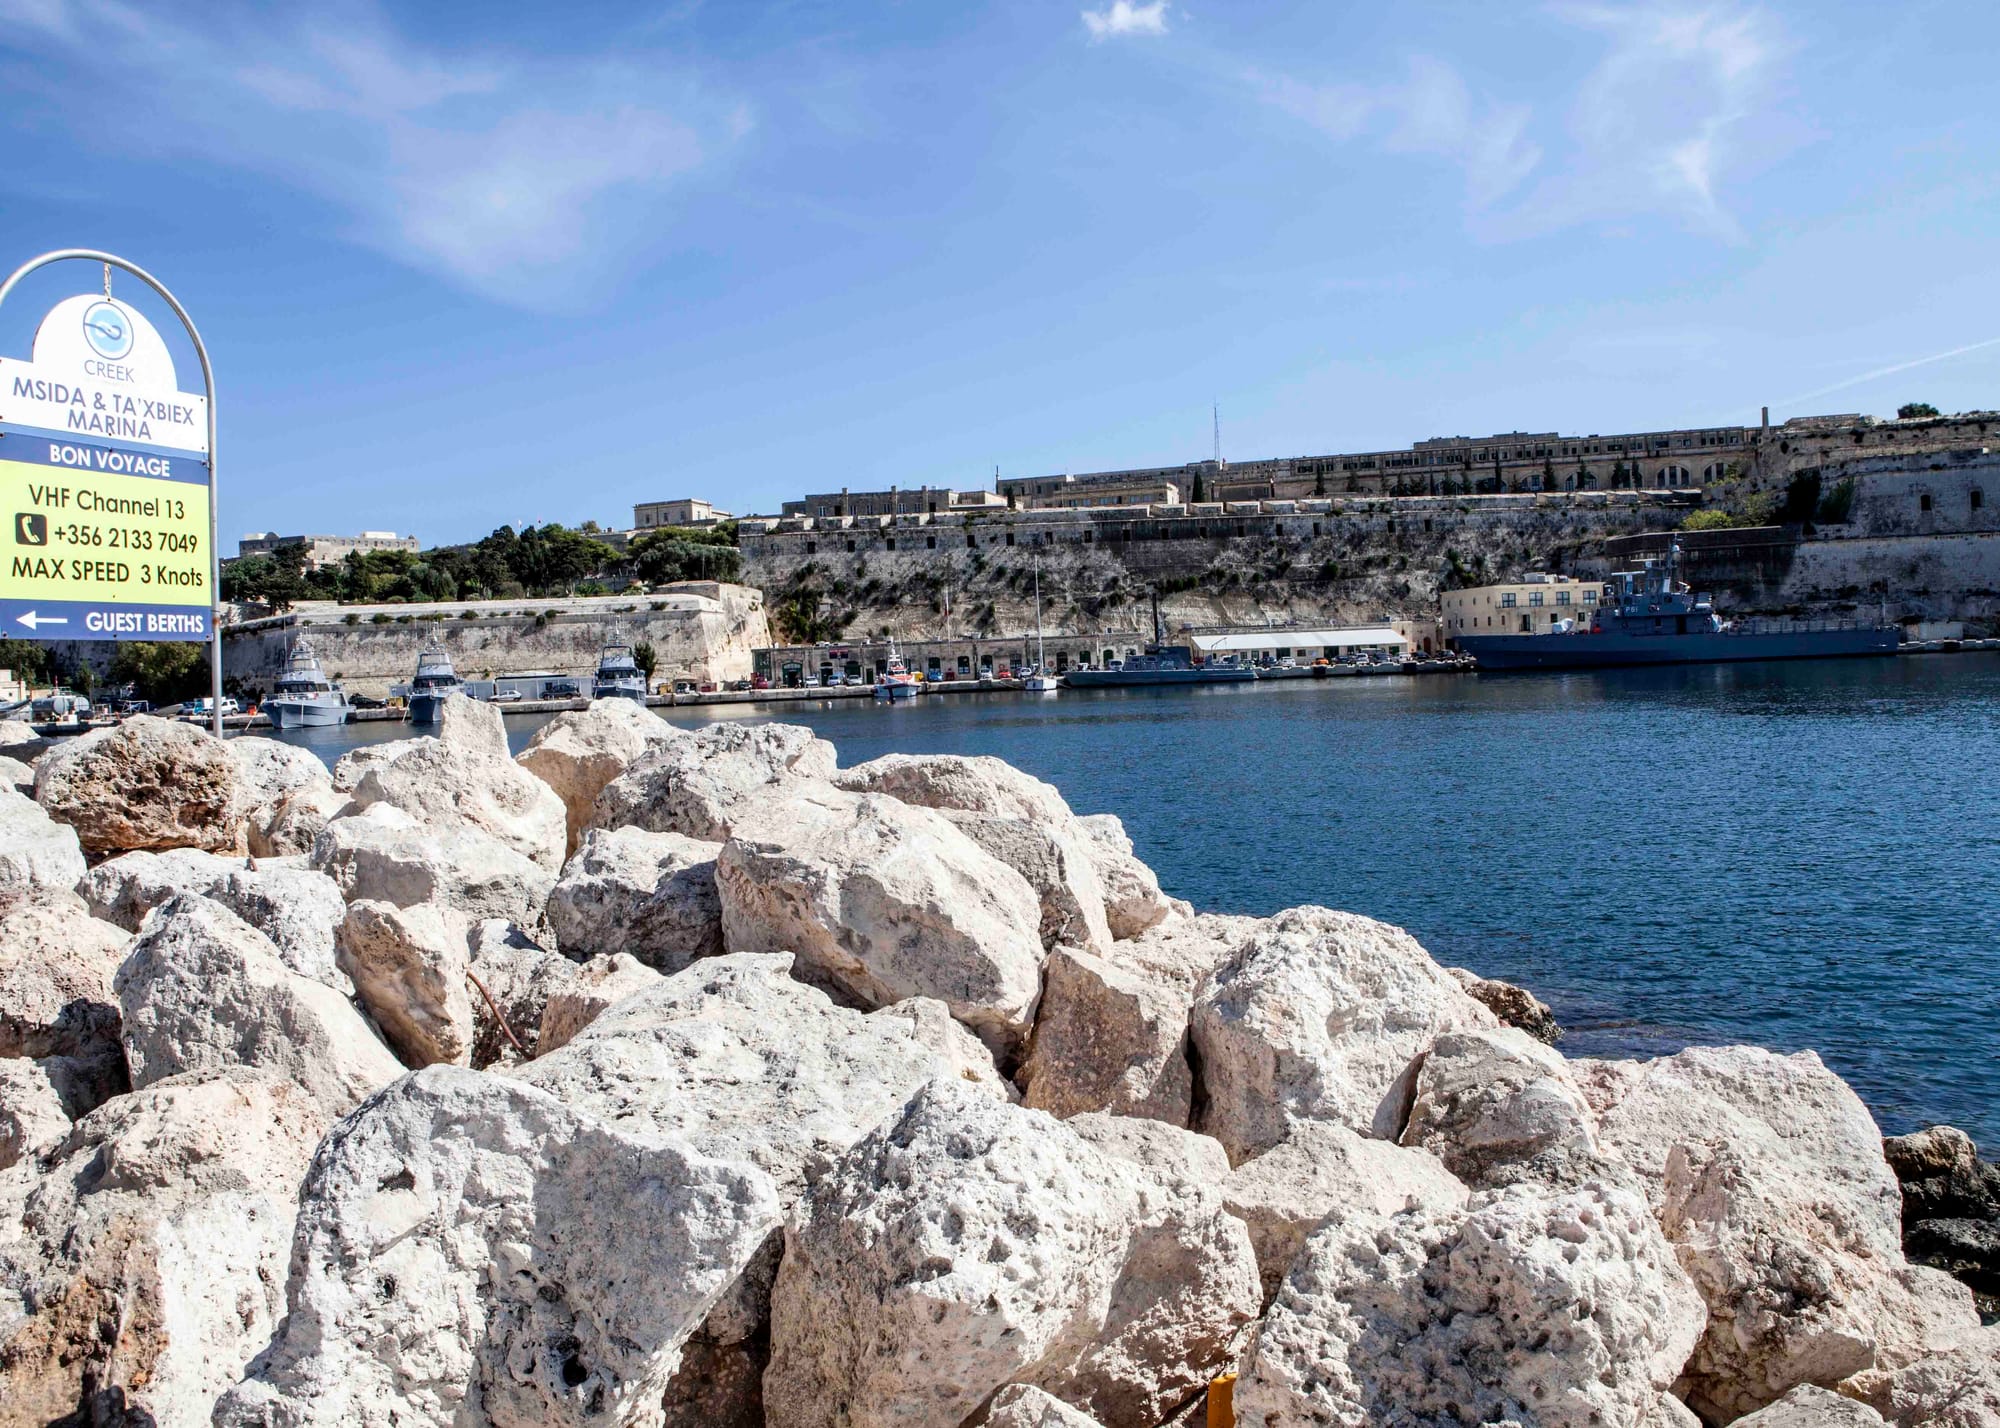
[(292, 825), (37, 854), (1108, 1039), (1768, 1176), (1021, 1405), (1172, 1154), (33, 1115), (384, 855), (1056, 860), (967, 1244), (1133, 901), (408, 965), (1957, 1388), (1498, 1106), (968, 783), (56, 969), (1319, 1015), (146, 783), (354, 765), (520, 976), (599, 984), (19, 739), (1184, 950), (882, 901), (1529, 1306), (578, 753), (1326, 1170), (959, 1052), (203, 989), (1809, 1406), (283, 781), (650, 895), (297, 908), (471, 1250), (465, 778), (147, 1265), (18, 776), (703, 784)]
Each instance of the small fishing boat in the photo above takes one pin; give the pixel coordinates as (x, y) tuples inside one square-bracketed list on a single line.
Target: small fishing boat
[(435, 682), (618, 675), (895, 681), (303, 697), (1038, 680)]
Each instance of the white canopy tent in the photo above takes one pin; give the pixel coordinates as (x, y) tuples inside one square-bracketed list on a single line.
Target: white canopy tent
[(1307, 644)]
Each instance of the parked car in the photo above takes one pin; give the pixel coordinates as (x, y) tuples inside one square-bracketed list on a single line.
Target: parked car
[(362, 701), (505, 696), (740, 685), (206, 707), (757, 681), (707, 686), (684, 686)]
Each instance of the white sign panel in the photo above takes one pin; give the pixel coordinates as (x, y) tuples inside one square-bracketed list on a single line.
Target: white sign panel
[(100, 371)]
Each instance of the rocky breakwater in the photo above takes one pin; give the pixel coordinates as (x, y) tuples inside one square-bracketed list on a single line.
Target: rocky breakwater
[(689, 1078)]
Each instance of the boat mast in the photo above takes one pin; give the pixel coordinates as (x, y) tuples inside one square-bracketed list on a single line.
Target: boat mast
[(1040, 658)]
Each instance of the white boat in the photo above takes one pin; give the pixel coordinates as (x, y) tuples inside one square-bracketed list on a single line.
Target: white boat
[(304, 698), (618, 675), (1038, 680), (895, 681), (435, 682)]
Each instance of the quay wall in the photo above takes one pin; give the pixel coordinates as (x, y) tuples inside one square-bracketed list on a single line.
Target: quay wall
[(700, 631)]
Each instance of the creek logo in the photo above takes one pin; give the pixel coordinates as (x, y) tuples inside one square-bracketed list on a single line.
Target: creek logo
[(107, 331)]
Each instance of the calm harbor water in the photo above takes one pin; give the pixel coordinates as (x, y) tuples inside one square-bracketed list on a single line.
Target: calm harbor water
[(1798, 855)]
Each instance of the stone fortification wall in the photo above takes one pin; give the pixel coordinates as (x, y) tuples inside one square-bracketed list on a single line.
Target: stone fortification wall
[(1287, 562), (698, 631)]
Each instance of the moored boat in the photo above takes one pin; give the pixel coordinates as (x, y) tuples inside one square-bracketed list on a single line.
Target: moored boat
[(304, 698), (1648, 617), (435, 682), (1162, 663), (895, 680), (618, 675)]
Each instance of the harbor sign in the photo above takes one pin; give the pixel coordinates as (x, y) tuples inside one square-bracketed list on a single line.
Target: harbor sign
[(104, 484)]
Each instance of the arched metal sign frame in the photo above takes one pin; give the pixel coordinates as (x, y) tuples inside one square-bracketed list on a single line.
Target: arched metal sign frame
[(91, 255)]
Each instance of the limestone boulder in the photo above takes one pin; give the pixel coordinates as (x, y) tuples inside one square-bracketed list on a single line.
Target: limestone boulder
[(703, 785), (967, 1244), (513, 977), (1768, 1176), (18, 740), (1056, 861), (880, 901), (966, 783), (1184, 950), (1515, 1006), (959, 1053), (651, 896), (33, 1110), (146, 783), (1108, 1038), (1809, 1406), (408, 965), (1022, 1405), (1498, 1106), (577, 753), (465, 778), (146, 1263), (1320, 1015), (1524, 1305), (599, 984), (1168, 1152), (385, 855), (1954, 1388), (57, 963), (354, 765), (1133, 901), (17, 776), (297, 908), (292, 825), (203, 989), (1324, 1171), (471, 1250), (274, 772), (37, 854)]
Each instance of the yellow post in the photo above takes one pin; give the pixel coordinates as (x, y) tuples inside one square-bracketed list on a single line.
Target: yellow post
[(1222, 1402)]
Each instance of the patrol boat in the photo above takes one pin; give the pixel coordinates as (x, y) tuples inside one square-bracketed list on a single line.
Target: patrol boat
[(1649, 617), (1162, 663), (435, 682), (618, 675), (303, 698)]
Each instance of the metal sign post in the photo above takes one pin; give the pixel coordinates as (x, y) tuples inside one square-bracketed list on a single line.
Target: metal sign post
[(40, 400)]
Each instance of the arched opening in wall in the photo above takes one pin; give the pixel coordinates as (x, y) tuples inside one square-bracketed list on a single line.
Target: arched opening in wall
[(1711, 472), (1110, 655)]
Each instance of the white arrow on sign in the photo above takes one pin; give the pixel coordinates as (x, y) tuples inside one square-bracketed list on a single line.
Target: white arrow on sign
[(34, 621)]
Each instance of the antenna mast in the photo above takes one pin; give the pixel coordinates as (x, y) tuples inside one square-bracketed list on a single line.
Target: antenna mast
[(1216, 411)]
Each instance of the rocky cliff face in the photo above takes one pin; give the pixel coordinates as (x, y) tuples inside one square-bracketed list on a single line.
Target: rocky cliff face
[(715, 1115)]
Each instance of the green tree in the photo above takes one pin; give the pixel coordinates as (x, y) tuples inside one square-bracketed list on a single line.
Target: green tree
[(29, 661), (647, 658), (662, 557), (164, 672), (1200, 493), (1910, 411)]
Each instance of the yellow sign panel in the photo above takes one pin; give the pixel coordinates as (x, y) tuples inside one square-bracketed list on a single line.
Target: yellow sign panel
[(102, 543)]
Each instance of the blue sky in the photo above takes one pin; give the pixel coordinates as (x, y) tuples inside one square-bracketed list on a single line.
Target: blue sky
[(461, 265)]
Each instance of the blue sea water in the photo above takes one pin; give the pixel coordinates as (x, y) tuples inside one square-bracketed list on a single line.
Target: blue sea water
[(1797, 855)]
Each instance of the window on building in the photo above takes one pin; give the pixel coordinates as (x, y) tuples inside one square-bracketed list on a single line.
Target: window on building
[(812, 546), (1590, 597), (930, 542), (889, 543), (1010, 537), (1535, 597), (1924, 501), (1562, 597), (1507, 599), (1978, 498)]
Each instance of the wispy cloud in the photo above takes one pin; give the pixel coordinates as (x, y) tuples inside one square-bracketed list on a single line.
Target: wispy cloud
[(534, 181), (1123, 17), (1891, 370), (1653, 128)]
